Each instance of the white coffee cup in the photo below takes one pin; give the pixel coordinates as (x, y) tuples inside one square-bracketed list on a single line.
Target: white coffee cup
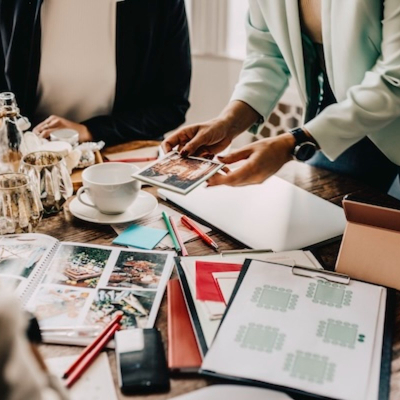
[(110, 187), (65, 135)]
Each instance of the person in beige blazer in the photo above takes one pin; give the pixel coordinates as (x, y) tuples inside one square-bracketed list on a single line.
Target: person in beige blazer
[(350, 51)]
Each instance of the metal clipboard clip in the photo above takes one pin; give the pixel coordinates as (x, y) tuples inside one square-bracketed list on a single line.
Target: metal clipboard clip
[(321, 274)]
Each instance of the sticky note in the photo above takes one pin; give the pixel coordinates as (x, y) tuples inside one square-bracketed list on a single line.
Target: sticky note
[(140, 236)]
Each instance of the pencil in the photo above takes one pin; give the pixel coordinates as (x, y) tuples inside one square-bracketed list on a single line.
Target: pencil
[(178, 237), (81, 368), (171, 232), (91, 346)]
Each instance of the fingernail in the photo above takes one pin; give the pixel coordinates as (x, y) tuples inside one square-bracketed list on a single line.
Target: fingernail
[(184, 153), (209, 156)]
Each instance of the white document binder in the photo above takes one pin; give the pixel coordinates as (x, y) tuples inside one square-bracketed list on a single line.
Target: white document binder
[(274, 215)]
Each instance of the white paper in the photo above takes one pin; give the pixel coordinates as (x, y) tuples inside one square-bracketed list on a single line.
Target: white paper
[(155, 220), (226, 282), (288, 330), (210, 326), (95, 384)]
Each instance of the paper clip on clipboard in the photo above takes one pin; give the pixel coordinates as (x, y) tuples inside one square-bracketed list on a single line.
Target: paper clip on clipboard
[(329, 276)]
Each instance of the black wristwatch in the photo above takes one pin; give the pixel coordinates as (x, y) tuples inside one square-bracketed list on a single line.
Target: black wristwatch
[(305, 148)]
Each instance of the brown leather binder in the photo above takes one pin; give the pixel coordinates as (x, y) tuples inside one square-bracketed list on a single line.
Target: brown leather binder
[(183, 353), (370, 249)]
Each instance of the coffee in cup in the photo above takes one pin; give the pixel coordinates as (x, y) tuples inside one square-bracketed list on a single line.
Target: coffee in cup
[(110, 187)]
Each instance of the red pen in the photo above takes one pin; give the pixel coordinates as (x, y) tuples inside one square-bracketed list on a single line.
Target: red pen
[(92, 345), (81, 368), (191, 225)]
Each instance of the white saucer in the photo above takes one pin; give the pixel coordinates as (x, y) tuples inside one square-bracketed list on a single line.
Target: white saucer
[(145, 204)]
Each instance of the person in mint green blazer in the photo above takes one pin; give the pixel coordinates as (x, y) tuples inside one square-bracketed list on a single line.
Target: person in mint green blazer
[(354, 124)]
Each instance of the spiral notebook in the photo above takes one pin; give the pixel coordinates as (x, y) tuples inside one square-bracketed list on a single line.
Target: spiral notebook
[(74, 289)]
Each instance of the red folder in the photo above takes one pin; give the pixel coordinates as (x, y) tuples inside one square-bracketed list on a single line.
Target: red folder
[(183, 353), (206, 287)]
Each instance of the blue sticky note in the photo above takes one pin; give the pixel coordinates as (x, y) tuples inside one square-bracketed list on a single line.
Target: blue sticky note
[(140, 236)]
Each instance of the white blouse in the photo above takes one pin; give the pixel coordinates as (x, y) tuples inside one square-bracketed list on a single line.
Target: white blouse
[(78, 69)]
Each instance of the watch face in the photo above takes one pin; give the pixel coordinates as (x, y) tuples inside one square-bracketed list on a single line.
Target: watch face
[(304, 151)]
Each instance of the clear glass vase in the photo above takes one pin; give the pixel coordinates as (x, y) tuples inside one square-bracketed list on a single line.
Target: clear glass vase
[(49, 172), (20, 206)]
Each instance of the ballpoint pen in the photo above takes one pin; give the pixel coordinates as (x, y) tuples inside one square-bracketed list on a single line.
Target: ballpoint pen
[(191, 225), (171, 232)]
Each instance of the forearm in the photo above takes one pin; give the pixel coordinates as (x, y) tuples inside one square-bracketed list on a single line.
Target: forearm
[(238, 116), (147, 123)]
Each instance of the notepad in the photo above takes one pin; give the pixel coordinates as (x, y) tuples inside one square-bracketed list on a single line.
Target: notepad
[(140, 236), (95, 384)]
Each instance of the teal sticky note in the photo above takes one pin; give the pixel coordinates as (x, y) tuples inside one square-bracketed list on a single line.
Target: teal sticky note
[(140, 236)]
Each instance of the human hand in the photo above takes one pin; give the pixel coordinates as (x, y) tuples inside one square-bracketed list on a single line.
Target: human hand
[(204, 139), (263, 159), (54, 123), (211, 137)]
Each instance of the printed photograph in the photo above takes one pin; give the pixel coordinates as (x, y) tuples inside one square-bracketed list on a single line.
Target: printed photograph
[(177, 173), (19, 259), (138, 270), (78, 266), (135, 306), (58, 307)]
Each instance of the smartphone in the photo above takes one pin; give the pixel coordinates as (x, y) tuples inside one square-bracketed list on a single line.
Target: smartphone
[(141, 362)]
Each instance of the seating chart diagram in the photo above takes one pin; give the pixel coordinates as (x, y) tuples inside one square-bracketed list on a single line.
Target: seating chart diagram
[(275, 298), (340, 333), (329, 294), (259, 337), (311, 367)]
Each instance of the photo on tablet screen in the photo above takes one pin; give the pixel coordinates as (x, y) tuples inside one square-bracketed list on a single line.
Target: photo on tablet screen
[(177, 173)]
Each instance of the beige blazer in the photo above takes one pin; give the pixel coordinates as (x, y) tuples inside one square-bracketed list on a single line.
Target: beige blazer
[(362, 55)]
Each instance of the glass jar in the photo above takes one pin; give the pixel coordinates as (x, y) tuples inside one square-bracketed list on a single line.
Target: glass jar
[(20, 206), (48, 170), (10, 134)]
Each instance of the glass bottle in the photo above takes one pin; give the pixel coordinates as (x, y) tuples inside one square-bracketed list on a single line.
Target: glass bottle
[(10, 134)]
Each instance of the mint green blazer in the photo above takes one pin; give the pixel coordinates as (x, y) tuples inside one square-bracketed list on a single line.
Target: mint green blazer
[(362, 54)]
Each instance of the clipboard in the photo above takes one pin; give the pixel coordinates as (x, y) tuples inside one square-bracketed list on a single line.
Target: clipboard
[(204, 339), (385, 370)]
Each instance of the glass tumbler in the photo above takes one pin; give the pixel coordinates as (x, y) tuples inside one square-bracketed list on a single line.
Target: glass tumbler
[(49, 171), (20, 206)]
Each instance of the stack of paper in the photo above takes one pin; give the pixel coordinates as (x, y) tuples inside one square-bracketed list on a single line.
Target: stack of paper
[(205, 313)]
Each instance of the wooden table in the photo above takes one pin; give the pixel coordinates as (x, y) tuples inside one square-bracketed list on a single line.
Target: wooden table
[(322, 183)]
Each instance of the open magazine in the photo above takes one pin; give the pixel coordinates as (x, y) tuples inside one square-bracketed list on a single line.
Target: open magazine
[(81, 285)]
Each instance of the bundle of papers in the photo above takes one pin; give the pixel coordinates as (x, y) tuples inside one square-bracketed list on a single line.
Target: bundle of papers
[(208, 313)]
